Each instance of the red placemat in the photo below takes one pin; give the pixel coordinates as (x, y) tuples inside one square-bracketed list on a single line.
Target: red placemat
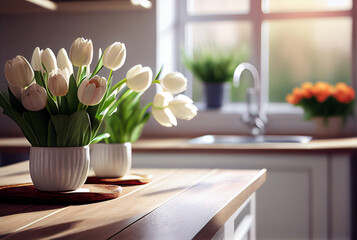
[(130, 179), (86, 194)]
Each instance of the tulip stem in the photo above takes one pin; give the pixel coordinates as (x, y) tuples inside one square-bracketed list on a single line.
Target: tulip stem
[(117, 85), (79, 74), (155, 81), (58, 101), (110, 78)]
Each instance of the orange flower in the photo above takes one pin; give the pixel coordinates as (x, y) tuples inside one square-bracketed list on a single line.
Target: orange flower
[(307, 87), (292, 99), (322, 91), (298, 93), (344, 93)]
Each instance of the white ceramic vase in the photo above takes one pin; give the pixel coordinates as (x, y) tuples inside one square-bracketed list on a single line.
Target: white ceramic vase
[(330, 127), (59, 169), (111, 160)]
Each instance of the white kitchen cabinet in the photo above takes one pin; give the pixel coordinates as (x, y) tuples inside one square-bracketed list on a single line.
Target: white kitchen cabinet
[(306, 195)]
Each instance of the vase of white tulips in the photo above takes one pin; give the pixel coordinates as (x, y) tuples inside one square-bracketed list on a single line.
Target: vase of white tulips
[(114, 157), (59, 106)]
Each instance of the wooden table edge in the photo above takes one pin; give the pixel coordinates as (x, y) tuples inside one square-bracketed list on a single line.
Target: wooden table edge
[(218, 221)]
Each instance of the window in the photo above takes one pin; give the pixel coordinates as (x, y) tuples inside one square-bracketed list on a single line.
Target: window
[(289, 42)]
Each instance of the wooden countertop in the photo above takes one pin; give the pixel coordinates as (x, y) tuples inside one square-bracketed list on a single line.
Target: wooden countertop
[(177, 204), (182, 145)]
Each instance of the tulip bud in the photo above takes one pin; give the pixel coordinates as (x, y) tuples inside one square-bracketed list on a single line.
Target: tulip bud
[(48, 60), (58, 81), (174, 83), (36, 59), (114, 56), (17, 91), (160, 110), (34, 98), (139, 78), (81, 52), (18, 72), (92, 91), (63, 61), (182, 107)]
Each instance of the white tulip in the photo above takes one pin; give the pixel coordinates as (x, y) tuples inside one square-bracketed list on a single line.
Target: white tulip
[(174, 83), (81, 52), (162, 100), (91, 91), (114, 56), (58, 81), (17, 91), (18, 72), (36, 59), (34, 98), (164, 116), (160, 111), (182, 107), (63, 61), (48, 60), (139, 78)]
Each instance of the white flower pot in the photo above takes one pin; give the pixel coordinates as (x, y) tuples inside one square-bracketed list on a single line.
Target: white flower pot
[(59, 168), (111, 160), (328, 128)]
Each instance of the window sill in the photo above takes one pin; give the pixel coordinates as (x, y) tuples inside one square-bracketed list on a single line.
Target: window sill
[(283, 119)]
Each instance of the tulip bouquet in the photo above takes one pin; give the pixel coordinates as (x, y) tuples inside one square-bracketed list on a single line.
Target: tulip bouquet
[(54, 107), (323, 100)]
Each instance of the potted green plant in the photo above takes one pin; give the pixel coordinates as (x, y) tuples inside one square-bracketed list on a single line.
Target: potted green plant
[(113, 158), (214, 67)]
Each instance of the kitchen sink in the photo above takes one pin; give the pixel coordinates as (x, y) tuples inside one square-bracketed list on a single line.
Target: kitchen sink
[(233, 139)]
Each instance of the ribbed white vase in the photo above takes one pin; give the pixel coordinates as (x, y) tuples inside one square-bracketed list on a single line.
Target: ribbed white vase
[(111, 160), (59, 169)]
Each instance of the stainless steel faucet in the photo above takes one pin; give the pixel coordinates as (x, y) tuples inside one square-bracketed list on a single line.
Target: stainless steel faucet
[(255, 117)]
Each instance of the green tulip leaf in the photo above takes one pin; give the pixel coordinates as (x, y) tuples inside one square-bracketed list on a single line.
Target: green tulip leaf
[(52, 105), (61, 123), (99, 138), (98, 67), (37, 120), (16, 103), (72, 98), (63, 105), (136, 132), (39, 79), (159, 73), (19, 120), (79, 124), (51, 136)]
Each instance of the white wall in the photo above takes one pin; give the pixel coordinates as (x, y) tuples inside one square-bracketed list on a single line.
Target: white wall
[(20, 34)]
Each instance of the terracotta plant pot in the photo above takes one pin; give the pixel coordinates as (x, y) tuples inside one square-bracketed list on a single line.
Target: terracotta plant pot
[(58, 169), (330, 127), (111, 160)]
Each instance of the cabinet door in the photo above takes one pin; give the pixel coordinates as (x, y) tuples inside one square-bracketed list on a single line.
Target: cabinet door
[(293, 202)]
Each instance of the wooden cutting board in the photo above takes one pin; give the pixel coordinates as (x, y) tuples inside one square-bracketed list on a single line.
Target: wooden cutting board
[(88, 193), (130, 179)]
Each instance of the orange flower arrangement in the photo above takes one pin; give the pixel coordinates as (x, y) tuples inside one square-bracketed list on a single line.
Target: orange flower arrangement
[(323, 100)]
